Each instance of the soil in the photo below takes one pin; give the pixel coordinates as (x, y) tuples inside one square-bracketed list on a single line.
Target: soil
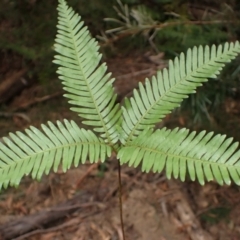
[(149, 200)]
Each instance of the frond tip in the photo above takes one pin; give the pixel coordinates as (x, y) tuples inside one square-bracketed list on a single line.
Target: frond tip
[(158, 97), (88, 86), (37, 152), (203, 156)]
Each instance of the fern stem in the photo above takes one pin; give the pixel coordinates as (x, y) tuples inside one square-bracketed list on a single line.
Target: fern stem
[(120, 199)]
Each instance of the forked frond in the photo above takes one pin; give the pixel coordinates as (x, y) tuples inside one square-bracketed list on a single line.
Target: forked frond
[(37, 152), (88, 86), (204, 156), (167, 90)]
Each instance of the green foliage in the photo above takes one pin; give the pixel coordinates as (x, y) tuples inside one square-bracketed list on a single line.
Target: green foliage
[(28, 33), (215, 215), (87, 83), (127, 130), (36, 152), (171, 27), (28, 28), (202, 155)]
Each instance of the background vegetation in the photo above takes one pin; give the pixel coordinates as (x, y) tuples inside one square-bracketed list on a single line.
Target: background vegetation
[(27, 31)]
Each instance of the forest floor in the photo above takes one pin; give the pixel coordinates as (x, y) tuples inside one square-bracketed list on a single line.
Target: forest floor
[(153, 207)]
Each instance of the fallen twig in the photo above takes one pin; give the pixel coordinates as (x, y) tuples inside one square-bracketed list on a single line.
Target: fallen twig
[(13, 114), (70, 223), (37, 221), (52, 229), (90, 169), (37, 100)]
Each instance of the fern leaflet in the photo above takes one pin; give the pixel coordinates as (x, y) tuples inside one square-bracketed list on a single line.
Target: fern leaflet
[(88, 86), (201, 155), (36, 152), (167, 90)]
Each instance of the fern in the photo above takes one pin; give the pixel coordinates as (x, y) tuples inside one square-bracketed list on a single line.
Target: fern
[(168, 89), (89, 87), (36, 152), (204, 156), (127, 130)]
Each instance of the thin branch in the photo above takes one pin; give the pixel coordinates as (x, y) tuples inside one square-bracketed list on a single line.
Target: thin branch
[(135, 30), (167, 24), (120, 199)]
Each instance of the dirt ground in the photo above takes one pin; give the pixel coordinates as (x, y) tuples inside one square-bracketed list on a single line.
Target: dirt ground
[(154, 208)]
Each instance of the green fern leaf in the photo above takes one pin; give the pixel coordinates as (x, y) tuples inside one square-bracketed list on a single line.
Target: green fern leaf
[(88, 86), (167, 90), (203, 156), (36, 152)]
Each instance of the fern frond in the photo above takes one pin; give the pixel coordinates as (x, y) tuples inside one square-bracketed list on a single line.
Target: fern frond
[(203, 156), (167, 90), (88, 86), (36, 152)]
